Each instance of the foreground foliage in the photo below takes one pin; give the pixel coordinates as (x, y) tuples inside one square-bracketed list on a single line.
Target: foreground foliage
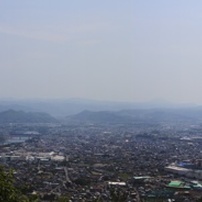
[(8, 192)]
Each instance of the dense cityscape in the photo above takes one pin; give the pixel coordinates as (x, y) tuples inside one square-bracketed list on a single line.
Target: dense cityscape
[(105, 162)]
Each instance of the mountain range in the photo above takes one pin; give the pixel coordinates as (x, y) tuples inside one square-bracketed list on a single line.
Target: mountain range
[(62, 108), (12, 116), (140, 115)]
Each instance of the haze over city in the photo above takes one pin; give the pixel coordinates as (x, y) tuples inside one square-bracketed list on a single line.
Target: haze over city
[(100, 101), (133, 51)]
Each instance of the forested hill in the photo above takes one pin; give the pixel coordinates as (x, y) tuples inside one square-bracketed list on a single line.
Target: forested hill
[(140, 115), (12, 116)]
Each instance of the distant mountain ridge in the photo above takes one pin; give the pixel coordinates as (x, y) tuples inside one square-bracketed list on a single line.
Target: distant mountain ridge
[(101, 116), (12, 116), (139, 115), (62, 108)]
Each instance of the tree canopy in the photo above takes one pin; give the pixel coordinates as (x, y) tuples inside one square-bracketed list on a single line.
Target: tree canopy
[(8, 192)]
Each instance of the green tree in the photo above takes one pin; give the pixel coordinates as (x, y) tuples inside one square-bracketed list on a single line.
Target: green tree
[(8, 192), (118, 195), (63, 199)]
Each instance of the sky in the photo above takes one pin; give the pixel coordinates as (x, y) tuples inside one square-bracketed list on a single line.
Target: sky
[(133, 50)]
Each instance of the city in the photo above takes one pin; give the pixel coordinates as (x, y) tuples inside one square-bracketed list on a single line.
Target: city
[(100, 101), (106, 162)]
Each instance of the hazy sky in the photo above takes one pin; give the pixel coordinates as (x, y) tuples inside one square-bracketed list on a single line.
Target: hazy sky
[(123, 50)]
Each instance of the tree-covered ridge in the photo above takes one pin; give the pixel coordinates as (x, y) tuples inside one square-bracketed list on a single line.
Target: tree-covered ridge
[(12, 116)]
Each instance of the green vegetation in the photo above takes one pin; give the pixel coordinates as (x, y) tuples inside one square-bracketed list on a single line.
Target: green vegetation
[(125, 176), (118, 196), (63, 199), (8, 192)]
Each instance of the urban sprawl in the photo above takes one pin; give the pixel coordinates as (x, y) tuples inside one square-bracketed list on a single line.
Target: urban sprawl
[(105, 162)]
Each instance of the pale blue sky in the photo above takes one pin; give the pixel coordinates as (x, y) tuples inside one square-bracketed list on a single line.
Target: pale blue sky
[(134, 50)]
